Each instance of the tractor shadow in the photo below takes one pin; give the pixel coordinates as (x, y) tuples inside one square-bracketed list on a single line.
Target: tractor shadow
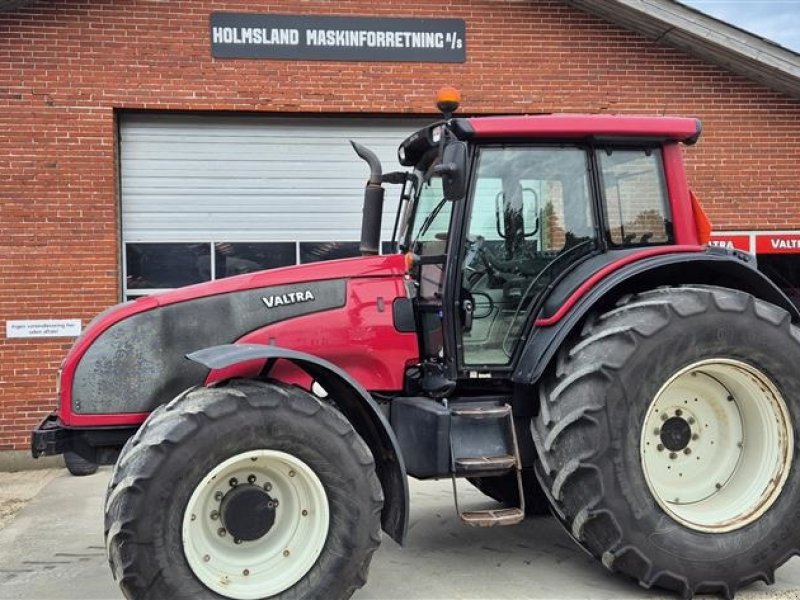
[(536, 559)]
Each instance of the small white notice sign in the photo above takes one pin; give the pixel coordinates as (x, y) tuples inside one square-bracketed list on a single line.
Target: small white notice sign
[(43, 328)]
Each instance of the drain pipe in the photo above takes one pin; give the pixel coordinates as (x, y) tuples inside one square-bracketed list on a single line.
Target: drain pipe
[(373, 202)]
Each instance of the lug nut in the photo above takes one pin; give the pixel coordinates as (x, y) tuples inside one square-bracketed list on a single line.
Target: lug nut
[(687, 450), (218, 496), (695, 436), (291, 473), (214, 515), (221, 532), (270, 505), (237, 541), (673, 456), (656, 431), (275, 502), (678, 412), (286, 553), (664, 417), (233, 482), (690, 420), (660, 447), (267, 486), (251, 479), (206, 558)]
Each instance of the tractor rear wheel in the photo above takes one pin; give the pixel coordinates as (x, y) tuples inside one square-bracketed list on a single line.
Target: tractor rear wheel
[(666, 439), (247, 490)]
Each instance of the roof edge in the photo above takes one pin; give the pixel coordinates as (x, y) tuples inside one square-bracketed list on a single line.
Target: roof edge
[(704, 36)]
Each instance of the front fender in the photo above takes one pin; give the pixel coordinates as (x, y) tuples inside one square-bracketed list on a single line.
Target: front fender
[(356, 405)]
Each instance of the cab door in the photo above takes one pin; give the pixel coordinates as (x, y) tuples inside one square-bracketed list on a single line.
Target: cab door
[(529, 217)]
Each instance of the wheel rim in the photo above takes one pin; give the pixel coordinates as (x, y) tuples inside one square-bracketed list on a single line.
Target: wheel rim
[(716, 445), (277, 558)]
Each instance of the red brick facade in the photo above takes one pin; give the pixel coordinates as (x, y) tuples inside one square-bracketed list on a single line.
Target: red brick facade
[(67, 67)]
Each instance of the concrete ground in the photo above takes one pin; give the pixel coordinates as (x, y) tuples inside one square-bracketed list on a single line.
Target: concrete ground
[(53, 550)]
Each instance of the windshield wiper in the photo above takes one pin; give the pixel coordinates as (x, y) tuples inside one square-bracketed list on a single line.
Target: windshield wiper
[(430, 218)]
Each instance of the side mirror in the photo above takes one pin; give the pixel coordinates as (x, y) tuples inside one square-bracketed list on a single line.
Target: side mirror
[(453, 170)]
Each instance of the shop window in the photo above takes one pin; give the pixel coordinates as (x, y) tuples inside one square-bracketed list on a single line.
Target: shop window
[(152, 266), (318, 251), (636, 202), (784, 271), (234, 258)]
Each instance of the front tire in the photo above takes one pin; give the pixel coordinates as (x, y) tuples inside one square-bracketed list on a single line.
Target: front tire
[(706, 500), (249, 490)]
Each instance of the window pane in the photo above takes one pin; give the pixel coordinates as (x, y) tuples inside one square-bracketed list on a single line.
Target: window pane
[(166, 265), (531, 218), (234, 258), (636, 202), (316, 251), (388, 248), (784, 270)]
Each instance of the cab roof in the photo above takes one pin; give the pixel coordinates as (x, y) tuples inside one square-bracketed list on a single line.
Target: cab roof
[(579, 126)]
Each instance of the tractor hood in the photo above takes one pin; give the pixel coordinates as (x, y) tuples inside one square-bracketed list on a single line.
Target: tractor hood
[(131, 358)]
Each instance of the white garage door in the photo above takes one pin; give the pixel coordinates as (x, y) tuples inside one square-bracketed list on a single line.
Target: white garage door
[(208, 197)]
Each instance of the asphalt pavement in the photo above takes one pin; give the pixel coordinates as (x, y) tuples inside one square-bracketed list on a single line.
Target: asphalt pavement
[(53, 550)]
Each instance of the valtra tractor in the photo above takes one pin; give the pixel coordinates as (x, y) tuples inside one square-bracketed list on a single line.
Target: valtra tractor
[(554, 329)]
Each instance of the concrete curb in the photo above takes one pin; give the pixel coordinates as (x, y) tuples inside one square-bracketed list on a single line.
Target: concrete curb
[(12, 461)]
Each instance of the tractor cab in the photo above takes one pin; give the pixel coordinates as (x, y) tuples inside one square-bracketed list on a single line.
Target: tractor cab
[(503, 209)]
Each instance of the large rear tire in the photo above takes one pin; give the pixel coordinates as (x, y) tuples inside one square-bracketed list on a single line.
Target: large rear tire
[(248, 490), (666, 439)]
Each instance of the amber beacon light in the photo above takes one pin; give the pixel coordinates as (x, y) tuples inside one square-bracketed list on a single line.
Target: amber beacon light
[(447, 100)]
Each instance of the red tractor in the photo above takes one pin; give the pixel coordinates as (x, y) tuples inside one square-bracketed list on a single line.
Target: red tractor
[(554, 329)]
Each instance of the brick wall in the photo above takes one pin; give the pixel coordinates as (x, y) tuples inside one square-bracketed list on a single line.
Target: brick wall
[(66, 66)]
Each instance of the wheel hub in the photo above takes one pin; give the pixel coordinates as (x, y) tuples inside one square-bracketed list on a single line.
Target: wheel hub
[(248, 512), (716, 445), (675, 434)]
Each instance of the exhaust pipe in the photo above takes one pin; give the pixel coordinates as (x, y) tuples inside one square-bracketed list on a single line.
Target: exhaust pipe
[(373, 202)]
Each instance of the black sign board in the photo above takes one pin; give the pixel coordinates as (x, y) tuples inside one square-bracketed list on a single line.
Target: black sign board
[(294, 37)]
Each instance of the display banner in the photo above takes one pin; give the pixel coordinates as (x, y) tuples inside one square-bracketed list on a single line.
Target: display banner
[(731, 242), (303, 37), (778, 243)]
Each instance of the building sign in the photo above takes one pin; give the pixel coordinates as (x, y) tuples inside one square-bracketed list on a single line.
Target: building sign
[(731, 242), (294, 37), (778, 243), (43, 328)]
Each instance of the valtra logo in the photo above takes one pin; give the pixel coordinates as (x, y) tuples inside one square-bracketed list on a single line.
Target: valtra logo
[(286, 299)]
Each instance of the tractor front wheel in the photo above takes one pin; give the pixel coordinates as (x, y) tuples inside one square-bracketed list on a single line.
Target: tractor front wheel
[(666, 439), (245, 491)]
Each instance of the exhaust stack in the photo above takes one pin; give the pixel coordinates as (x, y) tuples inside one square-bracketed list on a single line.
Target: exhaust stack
[(373, 202)]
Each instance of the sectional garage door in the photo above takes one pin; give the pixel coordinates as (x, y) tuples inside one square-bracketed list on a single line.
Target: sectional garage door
[(209, 197)]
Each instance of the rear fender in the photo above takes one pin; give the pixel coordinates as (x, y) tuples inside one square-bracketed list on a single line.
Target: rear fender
[(356, 405), (718, 267)]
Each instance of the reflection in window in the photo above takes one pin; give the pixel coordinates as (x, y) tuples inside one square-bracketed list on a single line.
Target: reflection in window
[(636, 204), (166, 265), (233, 258), (317, 251)]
